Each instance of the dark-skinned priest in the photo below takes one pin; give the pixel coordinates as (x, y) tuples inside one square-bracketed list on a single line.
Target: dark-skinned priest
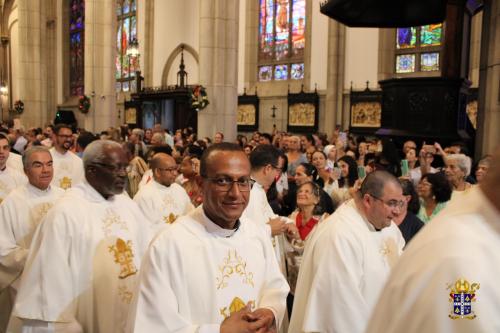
[(84, 261), (213, 270)]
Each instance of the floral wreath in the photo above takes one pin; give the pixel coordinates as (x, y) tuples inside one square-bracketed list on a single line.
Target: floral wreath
[(84, 104), (199, 99), (19, 106)]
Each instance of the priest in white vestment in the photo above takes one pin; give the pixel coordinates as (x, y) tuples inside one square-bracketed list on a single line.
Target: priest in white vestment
[(68, 167), (212, 270), (10, 178), (162, 200), (447, 279), (20, 213), (354, 257), (15, 162), (84, 261)]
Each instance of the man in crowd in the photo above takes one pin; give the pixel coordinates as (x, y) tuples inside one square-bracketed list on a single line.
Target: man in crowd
[(162, 201), (68, 168), (83, 265), (447, 279), (355, 255), (212, 270), (10, 178), (218, 137), (20, 213)]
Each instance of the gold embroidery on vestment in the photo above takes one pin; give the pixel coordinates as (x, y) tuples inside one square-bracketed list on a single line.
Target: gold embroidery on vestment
[(124, 257), (233, 264)]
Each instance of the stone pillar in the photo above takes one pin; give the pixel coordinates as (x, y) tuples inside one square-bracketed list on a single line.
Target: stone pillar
[(488, 133), (100, 40), (32, 76), (148, 52), (335, 78), (219, 66)]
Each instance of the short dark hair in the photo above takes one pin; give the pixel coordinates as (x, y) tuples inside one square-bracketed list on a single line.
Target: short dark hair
[(85, 138), (267, 136), (223, 146), (375, 182), (409, 189), (60, 126), (441, 187), (161, 149), (263, 155)]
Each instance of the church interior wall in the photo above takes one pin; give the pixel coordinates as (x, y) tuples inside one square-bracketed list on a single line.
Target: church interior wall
[(361, 58), (475, 49), (175, 22), (13, 26)]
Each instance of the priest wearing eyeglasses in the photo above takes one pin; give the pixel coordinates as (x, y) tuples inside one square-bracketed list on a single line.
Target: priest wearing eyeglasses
[(162, 200), (212, 270), (84, 260), (337, 290)]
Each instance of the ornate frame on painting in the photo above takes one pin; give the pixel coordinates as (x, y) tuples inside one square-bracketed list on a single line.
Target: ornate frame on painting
[(365, 111), (247, 114), (303, 111)]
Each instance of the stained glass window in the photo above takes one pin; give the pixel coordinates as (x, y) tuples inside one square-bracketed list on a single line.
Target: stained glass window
[(281, 72), (76, 46), (127, 31), (405, 63), (429, 62), (265, 73), (281, 37), (406, 38), (297, 72), (430, 35), (418, 48)]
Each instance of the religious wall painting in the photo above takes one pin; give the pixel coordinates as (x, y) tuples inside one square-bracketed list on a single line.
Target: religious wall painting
[(76, 47), (366, 114), (126, 65), (247, 113), (131, 116), (471, 108), (303, 112)]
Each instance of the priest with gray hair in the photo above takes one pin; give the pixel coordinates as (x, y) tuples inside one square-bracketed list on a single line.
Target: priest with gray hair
[(82, 270), (20, 213)]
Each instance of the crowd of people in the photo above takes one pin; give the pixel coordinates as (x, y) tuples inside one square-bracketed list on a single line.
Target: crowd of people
[(143, 230)]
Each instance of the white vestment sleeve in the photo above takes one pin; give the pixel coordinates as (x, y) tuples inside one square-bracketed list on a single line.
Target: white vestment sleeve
[(12, 256), (37, 326), (336, 285), (156, 307), (47, 275)]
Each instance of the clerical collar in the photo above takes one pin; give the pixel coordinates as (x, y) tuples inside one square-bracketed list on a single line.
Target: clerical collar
[(215, 229)]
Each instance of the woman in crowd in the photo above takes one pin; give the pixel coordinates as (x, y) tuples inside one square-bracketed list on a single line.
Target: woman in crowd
[(327, 175), (434, 191), (411, 157), (306, 217), (295, 156), (482, 168), (457, 168), (306, 173), (407, 221), (331, 156), (348, 176), (190, 179)]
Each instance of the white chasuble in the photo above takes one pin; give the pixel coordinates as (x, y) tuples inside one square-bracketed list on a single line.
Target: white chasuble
[(68, 169), (10, 179), (161, 204), (15, 161), (84, 262), (455, 256), (195, 274), (20, 213), (354, 261)]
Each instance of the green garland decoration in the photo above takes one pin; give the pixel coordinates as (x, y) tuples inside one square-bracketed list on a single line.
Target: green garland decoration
[(84, 104), (199, 99), (19, 106)]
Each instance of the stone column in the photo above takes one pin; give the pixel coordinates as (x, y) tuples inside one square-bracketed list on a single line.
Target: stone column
[(100, 40), (219, 66), (488, 132), (335, 78), (32, 61)]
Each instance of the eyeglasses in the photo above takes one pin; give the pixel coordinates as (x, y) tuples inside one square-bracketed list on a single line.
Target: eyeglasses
[(223, 184), (171, 169), (391, 203), (113, 168), (275, 167)]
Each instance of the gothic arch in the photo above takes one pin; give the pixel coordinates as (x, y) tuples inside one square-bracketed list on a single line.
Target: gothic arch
[(187, 48)]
